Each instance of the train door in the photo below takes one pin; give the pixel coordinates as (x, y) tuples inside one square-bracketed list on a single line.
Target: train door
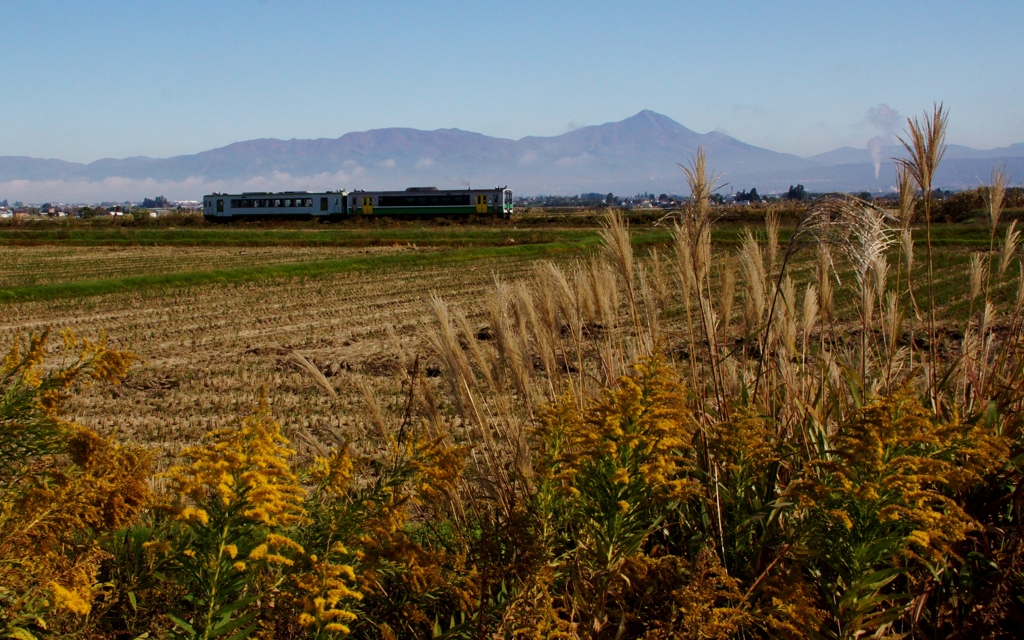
[(481, 203), (368, 205)]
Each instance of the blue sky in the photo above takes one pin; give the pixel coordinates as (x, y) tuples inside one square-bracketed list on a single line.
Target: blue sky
[(87, 80)]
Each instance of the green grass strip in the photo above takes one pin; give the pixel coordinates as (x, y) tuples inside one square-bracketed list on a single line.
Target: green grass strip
[(294, 270), (319, 236)]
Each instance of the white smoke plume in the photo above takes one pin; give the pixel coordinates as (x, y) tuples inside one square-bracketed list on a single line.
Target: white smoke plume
[(886, 120)]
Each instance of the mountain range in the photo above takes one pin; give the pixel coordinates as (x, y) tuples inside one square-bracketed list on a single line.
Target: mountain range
[(638, 154)]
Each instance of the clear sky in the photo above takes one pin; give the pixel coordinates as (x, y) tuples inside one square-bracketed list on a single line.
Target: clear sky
[(86, 80)]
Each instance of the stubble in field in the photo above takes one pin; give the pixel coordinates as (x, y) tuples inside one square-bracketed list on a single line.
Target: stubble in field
[(206, 351)]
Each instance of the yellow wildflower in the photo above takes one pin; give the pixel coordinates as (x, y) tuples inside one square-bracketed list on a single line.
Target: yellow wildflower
[(920, 538), (248, 463), (157, 546), (334, 627), (191, 514), (274, 558), (276, 541), (325, 585), (70, 599)]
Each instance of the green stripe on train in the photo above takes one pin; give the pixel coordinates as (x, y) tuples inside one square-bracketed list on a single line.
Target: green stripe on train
[(403, 211)]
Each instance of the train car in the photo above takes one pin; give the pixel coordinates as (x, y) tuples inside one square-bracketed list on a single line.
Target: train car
[(335, 205), (431, 201), (223, 207)]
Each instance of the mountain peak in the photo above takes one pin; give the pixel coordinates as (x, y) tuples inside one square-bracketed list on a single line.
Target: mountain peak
[(648, 118)]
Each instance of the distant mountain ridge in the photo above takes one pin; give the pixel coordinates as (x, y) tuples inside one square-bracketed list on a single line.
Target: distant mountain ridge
[(637, 154)]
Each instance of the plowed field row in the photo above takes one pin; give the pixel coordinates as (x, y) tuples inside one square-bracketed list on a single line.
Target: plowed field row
[(207, 350)]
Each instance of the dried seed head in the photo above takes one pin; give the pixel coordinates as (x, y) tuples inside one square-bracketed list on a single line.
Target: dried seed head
[(728, 289), (907, 243), (995, 194), (977, 274), (881, 272), (752, 264), (810, 315), (618, 248), (908, 194), (1009, 248), (926, 145), (1020, 287), (772, 223), (825, 289)]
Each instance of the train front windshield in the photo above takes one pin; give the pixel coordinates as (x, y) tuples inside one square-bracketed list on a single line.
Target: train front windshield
[(506, 200)]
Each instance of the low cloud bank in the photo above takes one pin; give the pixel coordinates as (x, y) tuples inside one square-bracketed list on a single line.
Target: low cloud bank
[(117, 189)]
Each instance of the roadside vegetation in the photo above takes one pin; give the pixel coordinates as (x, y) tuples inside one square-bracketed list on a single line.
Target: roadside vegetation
[(812, 431)]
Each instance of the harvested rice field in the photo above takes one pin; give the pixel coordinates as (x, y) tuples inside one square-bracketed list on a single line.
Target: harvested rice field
[(206, 350), (32, 265)]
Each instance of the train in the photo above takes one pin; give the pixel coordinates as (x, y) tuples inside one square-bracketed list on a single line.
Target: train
[(331, 206)]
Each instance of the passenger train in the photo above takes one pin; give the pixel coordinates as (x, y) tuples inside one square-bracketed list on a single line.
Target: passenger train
[(338, 205)]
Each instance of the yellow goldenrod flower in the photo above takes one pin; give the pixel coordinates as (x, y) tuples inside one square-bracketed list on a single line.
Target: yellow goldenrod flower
[(191, 514), (276, 541), (335, 627), (274, 558), (70, 599), (157, 546)]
